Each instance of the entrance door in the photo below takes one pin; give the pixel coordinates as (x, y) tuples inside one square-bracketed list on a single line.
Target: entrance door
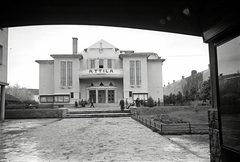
[(101, 96), (110, 96), (92, 95)]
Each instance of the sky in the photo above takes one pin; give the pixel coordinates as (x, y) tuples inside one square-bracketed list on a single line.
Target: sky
[(26, 44)]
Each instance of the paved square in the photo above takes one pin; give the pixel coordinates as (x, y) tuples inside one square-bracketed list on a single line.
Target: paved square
[(91, 139)]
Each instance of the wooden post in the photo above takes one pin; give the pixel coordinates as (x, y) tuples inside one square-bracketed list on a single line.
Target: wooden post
[(189, 128)]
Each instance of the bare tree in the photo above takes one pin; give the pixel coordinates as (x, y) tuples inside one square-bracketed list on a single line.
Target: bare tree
[(20, 92)]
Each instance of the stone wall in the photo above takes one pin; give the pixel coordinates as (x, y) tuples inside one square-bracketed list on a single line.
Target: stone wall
[(34, 113), (214, 137)]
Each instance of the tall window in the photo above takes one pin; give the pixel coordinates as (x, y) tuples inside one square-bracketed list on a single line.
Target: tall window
[(138, 72), (66, 73), (63, 73), (69, 73), (92, 64), (109, 62), (1, 55), (132, 72), (100, 63)]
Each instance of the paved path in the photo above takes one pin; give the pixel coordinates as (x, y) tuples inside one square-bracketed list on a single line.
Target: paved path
[(91, 139)]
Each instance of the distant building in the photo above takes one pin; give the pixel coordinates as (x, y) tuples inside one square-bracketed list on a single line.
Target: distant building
[(101, 73), (194, 80), (3, 68)]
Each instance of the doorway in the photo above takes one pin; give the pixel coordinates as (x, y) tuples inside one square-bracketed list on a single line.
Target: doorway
[(92, 95), (101, 96), (110, 96)]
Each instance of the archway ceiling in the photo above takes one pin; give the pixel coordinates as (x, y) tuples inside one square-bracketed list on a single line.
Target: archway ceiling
[(166, 16)]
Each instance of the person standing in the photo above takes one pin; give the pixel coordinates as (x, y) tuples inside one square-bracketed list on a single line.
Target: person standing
[(121, 105), (126, 103), (91, 103)]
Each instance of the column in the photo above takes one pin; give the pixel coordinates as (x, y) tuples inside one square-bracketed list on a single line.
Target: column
[(106, 95), (2, 112), (96, 95)]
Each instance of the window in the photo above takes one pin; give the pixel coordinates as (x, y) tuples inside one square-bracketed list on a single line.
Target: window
[(109, 62), (138, 72), (1, 55), (228, 61), (101, 63), (62, 99), (130, 93), (63, 73), (69, 73), (46, 99), (132, 72), (72, 95), (66, 73), (92, 66)]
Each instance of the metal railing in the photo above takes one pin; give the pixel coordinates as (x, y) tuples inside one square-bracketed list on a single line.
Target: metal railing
[(172, 129)]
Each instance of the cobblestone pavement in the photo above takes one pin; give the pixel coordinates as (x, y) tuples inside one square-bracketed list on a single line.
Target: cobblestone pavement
[(89, 139)]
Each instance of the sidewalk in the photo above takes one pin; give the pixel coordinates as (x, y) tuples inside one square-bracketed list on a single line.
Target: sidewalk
[(91, 139)]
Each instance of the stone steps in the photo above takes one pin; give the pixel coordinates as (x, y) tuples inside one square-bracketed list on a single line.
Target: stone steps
[(98, 113)]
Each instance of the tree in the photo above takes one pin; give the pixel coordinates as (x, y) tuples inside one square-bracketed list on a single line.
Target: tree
[(20, 92), (151, 102), (187, 96), (193, 94), (179, 98), (205, 93)]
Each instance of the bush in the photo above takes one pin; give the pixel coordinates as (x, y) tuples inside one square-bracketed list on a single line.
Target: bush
[(151, 102)]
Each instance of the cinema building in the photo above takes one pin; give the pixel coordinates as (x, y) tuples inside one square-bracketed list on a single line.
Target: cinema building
[(102, 73)]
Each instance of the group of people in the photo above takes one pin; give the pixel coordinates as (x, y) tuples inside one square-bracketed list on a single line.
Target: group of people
[(124, 105), (83, 103)]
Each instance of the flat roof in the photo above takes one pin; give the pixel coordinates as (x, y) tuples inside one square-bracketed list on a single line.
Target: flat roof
[(67, 56), (45, 61)]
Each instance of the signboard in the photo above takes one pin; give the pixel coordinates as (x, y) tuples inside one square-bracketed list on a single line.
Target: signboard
[(101, 73)]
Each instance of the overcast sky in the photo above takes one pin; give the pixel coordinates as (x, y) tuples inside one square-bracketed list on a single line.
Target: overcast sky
[(26, 44)]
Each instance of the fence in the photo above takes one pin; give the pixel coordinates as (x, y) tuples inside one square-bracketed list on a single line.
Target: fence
[(182, 128)]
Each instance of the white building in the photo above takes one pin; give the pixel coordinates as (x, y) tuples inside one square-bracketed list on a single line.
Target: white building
[(102, 73), (3, 68)]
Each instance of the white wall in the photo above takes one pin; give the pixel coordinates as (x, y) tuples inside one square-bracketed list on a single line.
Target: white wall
[(4, 44), (155, 88), (75, 78), (126, 77), (46, 80)]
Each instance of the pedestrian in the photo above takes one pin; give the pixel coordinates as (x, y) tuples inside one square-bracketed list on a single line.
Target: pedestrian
[(126, 103), (121, 105), (76, 104), (91, 103)]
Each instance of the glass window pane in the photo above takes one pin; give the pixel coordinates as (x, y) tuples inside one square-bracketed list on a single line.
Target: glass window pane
[(138, 72), (50, 99), (43, 99), (132, 73), (228, 56), (66, 99)]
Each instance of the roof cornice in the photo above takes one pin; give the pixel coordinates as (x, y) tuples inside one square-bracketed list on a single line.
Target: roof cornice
[(45, 61), (67, 56)]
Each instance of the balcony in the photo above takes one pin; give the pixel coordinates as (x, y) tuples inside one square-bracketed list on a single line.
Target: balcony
[(100, 73)]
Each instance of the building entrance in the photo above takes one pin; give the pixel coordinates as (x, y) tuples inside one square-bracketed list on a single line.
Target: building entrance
[(92, 95), (110, 96), (101, 96)]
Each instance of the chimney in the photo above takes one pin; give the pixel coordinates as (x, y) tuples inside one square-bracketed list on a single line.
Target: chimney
[(75, 45), (173, 81), (182, 77)]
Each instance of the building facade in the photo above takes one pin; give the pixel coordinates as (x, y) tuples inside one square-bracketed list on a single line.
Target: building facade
[(3, 68), (101, 73)]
